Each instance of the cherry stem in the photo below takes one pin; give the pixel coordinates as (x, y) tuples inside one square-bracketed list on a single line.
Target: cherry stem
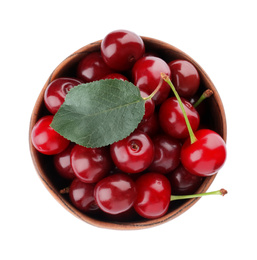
[(65, 190), (155, 91), (190, 130), (180, 197), (206, 94)]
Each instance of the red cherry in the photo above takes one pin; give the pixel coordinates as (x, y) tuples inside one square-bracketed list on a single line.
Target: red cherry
[(134, 153), (206, 155), (150, 125), (62, 163), (92, 67), (90, 164), (183, 182), (120, 49), (166, 155), (184, 77), (56, 92), (82, 196), (153, 195), (146, 75), (45, 139), (115, 194), (172, 120)]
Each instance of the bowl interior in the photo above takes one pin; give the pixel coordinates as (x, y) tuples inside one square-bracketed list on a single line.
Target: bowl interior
[(44, 166)]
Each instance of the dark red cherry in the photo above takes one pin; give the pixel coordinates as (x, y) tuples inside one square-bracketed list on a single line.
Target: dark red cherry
[(153, 195), (45, 139), (206, 155), (172, 120), (90, 164), (146, 74), (56, 92), (120, 49), (134, 153), (82, 196), (62, 163), (166, 155), (115, 194), (183, 182), (184, 77), (92, 67), (150, 125)]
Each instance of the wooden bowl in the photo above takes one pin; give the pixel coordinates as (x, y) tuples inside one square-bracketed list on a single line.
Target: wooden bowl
[(44, 165)]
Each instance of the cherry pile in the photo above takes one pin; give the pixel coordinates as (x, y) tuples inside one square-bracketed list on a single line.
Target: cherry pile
[(164, 156)]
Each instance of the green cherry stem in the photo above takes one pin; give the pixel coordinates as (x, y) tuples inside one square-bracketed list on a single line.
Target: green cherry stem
[(206, 94), (180, 197), (190, 130)]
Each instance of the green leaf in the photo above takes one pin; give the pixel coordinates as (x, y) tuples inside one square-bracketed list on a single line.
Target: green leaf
[(100, 113)]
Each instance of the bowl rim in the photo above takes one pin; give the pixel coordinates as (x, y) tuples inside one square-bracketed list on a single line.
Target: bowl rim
[(75, 57)]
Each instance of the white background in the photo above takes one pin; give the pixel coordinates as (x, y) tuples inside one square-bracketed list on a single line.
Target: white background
[(36, 36)]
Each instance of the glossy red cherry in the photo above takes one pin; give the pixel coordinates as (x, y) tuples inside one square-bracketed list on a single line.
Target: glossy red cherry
[(45, 139), (120, 49), (206, 155), (92, 67), (62, 163), (166, 155), (146, 75), (56, 92), (184, 77), (172, 120), (90, 164), (115, 194), (153, 195), (134, 153), (183, 182), (82, 196)]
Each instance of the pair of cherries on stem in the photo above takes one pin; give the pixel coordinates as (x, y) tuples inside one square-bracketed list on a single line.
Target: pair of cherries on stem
[(204, 152), (150, 195)]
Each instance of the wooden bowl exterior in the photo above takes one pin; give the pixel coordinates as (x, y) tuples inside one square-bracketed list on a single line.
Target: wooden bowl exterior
[(54, 183)]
